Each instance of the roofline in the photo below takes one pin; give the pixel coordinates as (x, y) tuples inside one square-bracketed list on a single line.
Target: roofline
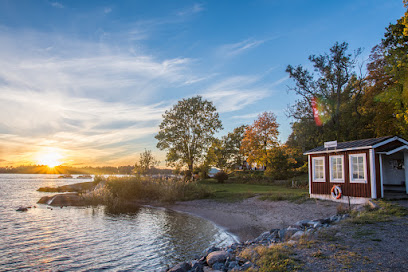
[(337, 150), (361, 147), (389, 141), (395, 150)]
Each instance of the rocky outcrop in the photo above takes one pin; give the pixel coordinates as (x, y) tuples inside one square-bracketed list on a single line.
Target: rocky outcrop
[(227, 259), (68, 199)]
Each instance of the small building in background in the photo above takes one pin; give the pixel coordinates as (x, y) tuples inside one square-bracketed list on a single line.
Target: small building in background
[(359, 170)]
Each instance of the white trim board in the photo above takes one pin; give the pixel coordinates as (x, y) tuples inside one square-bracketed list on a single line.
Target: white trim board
[(394, 150)]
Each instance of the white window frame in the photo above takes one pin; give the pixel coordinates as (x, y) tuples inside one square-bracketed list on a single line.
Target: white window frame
[(314, 159), (364, 156), (337, 180)]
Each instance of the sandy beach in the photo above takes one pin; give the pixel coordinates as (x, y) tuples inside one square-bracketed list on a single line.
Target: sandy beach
[(247, 219)]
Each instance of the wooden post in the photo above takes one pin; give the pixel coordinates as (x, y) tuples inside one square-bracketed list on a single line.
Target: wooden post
[(406, 171)]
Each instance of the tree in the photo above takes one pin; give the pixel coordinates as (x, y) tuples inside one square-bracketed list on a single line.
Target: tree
[(388, 78), (187, 131), (146, 162), (233, 145), (281, 162), (330, 100), (260, 137), (225, 153), (218, 155)]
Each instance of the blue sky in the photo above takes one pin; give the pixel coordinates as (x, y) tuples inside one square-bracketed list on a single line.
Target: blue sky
[(90, 79)]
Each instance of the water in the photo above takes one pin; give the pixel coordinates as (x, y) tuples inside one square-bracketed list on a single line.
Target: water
[(91, 239)]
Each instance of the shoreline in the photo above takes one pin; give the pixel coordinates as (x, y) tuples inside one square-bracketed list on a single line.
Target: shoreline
[(248, 218)]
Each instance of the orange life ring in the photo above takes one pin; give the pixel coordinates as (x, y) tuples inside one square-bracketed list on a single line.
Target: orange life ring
[(336, 192)]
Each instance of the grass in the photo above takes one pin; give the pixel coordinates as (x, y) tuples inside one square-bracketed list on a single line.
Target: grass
[(239, 191), (274, 258), (386, 212)]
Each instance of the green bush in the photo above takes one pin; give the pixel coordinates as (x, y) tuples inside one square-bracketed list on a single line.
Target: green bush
[(221, 176)]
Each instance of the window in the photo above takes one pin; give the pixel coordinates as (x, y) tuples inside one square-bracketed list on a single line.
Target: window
[(318, 169), (336, 169), (358, 168)]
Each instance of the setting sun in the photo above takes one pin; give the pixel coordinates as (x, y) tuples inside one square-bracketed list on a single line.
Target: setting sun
[(51, 159)]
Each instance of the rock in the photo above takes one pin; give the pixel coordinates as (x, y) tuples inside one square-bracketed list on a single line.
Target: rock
[(247, 266), (218, 266), (68, 199), (297, 235), (208, 269), (233, 265), (22, 209), (197, 267), (181, 267), (217, 257), (211, 249)]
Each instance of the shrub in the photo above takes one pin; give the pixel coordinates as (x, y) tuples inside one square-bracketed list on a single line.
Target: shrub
[(136, 188), (221, 176)]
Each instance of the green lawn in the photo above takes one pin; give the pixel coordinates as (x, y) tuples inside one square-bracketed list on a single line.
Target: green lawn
[(239, 191)]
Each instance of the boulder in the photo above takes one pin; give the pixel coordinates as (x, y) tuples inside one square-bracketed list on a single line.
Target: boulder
[(68, 199), (217, 257), (181, 267), (297, 235), (22, 209)]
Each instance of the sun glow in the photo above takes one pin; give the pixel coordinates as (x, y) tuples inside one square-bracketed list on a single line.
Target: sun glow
[(51, 159)]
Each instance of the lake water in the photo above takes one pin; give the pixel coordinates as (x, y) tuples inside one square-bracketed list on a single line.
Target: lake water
[(93, 239)]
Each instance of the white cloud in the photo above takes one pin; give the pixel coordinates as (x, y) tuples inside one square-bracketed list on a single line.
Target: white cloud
[(234, 49), (235, 93), (57, 5), (196, 8)]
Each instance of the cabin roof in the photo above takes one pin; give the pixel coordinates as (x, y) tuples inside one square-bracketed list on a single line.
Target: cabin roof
[(351, 145)]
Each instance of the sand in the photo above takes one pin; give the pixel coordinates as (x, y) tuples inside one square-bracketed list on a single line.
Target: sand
[(249, 218)]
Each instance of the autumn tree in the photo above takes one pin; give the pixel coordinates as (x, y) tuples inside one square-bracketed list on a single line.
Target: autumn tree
[(187, 130), (387, 95), (145, 163), (260, 137)]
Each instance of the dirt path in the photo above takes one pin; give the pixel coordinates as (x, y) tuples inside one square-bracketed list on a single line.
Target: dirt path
[(349, 247), (247, 219)]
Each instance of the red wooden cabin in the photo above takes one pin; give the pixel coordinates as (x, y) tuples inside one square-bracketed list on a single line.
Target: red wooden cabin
[(362, 170)]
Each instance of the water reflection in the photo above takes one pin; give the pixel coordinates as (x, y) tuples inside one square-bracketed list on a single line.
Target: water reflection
[(130, 238)]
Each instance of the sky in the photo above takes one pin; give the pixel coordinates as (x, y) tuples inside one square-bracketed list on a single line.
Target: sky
[(88, 81)]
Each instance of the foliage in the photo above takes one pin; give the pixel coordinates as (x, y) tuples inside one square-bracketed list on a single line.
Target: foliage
[(187, 131), (146, 162), (281, 162), (225, 153), (218, 155), (328, 107), (221, 176), (260, 137), (274, 258), (233, 143), (388, 77)]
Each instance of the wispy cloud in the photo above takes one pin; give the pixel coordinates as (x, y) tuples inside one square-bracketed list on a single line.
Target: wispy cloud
[(235, 93), (107, 10), (99, 104), (196, 8), (234, 49), (57, 5)]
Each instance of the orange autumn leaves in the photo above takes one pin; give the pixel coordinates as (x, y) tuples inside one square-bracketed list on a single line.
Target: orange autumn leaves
[(260, 138)]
